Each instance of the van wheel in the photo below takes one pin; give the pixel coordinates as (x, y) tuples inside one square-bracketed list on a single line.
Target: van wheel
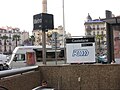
[(1, 67)]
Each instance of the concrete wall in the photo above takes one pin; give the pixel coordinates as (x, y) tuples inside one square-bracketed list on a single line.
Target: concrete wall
[(74, 77), (82, 77), (21, 82)]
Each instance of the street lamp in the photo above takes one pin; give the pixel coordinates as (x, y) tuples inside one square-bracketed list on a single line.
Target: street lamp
[(64, 31), (63, 21)]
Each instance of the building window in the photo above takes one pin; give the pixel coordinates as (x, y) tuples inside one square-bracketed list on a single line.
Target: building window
[(93, 27), (10, 32), (88, 33), (0, 42), (88, 27), (13, 31), (1, 31), (97, 32), (102, 32), (97, 27), (102, 28), (5, 31), (10, 43), (93, 33)]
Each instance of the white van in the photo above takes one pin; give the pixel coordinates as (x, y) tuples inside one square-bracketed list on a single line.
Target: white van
[(23, 56)]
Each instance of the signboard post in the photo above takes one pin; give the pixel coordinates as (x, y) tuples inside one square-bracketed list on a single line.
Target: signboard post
[(80, 50), (55, 43), (43, 21)]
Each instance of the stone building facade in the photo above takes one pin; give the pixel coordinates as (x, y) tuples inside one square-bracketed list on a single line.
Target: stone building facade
[(10, 38), (96, 28), (50, 36)]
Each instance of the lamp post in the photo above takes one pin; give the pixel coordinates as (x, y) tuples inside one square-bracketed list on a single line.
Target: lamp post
[(64, 30), (63, 21)]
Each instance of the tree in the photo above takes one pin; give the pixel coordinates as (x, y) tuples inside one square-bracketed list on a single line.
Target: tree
[(49, 37), (16, 38), (49, 34), (99, 37), (32, 39), (5, 42)]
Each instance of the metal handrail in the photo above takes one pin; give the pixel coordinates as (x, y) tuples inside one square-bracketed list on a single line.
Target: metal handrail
[(3, 88), (11, 72)]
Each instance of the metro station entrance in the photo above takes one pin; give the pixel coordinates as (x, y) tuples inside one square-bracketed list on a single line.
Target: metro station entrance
[(113, 39)]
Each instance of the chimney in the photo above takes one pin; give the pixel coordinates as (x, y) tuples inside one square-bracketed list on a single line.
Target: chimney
[(44, 6), (108, 14)]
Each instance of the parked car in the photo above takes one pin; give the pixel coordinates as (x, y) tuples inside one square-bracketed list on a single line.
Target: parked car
[(102, 59), (3, 62)]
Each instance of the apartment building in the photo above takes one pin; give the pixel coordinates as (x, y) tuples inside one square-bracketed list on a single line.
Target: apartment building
[(50, 36), (10, 38), (96, 28)]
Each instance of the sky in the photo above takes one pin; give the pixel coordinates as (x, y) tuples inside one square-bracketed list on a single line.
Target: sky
[(19, 13)]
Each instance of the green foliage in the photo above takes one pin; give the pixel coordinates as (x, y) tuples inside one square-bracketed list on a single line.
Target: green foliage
[(16, 37), (4, 37)]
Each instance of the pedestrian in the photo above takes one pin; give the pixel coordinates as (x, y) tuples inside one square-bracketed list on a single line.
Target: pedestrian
[(44, 84), (113, 62)]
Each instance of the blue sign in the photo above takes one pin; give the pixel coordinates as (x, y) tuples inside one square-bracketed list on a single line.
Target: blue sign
[(80, 52)]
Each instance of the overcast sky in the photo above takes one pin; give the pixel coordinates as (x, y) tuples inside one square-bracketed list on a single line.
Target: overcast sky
[(19, 13)]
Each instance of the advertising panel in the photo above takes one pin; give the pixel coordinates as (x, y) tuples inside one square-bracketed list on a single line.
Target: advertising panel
[(80, 50), (30, 58), (43, 21)]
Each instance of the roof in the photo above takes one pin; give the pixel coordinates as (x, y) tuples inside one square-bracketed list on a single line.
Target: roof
[(89, 18), (95, 21)]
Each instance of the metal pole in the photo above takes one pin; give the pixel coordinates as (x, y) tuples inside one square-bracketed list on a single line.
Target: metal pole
[(44, 46), (63, 22), (64, 31), (56, 47), (44, 10), (99, 46)]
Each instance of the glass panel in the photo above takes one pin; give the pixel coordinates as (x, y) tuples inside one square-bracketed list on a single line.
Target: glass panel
[(19, 57)]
